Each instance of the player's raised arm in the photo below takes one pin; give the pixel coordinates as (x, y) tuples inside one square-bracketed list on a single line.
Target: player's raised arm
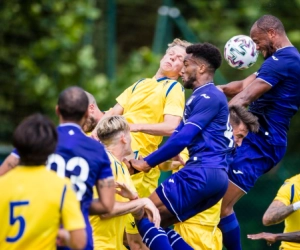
[(233, 88), (165, 128), (251, 93)]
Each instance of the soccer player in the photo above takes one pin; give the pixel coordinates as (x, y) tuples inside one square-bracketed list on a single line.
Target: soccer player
[(35, 200), (114, 133), (206, 132), (153, 107), (81, 158), (201, 231), (285, 207), (94, 115), (273, 95)]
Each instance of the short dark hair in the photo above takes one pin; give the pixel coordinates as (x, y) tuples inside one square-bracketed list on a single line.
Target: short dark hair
[(207, 52), (73, 103), (267, 22), (35, 139), (239, 114)]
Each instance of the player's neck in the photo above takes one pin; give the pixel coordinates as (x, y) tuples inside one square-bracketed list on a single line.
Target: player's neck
[(283, 42), (159, 74), (117, 151), (202, 81)]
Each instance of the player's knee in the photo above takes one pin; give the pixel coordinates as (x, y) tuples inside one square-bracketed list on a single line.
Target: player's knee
[(226, 210)]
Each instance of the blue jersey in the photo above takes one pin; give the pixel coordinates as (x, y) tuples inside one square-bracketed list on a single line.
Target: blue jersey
[(276, 107), (84, 161), (207, 109)]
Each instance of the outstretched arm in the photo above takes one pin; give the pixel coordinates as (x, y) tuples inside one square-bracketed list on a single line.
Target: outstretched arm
[(272, 238), (233, 88), (251, 93), (278, 211), (165, 128)]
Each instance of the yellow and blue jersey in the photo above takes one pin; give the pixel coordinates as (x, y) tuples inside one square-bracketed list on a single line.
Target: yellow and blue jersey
[(108, 233), (288, 194), (146, 102), (201, 231), (34, 205)]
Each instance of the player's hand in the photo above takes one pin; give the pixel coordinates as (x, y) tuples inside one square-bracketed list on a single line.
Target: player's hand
[(270, 238), (63, 238), (152, 212), (140, 165), (125, 191), (179, 159), (134, 127), (131, 170)]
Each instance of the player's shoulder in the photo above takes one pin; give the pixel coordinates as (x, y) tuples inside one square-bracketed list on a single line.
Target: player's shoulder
[(293, 180)]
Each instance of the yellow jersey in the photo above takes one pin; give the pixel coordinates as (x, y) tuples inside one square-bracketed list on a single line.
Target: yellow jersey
[(108, 233), (34, 205), (146, 102), (201, 231), (288, 194)]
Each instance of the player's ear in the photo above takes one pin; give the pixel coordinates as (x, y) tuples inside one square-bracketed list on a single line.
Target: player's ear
[(57, 110)]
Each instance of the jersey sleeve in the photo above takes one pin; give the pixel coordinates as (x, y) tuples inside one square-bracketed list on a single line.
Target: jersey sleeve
[(71, 215), (105, 170), (271, 71), (174, 104), (207, 107), (284, 194)]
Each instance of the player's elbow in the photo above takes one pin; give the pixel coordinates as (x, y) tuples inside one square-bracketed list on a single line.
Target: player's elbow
[(78, 239), (266, 221)]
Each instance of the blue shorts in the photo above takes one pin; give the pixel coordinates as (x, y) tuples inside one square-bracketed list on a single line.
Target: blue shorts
[(252, 159), (192, 190)]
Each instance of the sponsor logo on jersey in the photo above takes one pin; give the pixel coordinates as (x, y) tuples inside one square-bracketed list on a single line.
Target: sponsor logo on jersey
[(237, 171), (205, 96)]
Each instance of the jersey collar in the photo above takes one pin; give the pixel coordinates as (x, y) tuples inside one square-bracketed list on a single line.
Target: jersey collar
[(206, 84)]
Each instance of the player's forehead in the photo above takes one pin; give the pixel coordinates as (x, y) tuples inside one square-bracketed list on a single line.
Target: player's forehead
[(177, 49)]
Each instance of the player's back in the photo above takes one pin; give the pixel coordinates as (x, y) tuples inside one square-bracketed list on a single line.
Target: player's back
[(84, 161), (31, 208), (277, 106)]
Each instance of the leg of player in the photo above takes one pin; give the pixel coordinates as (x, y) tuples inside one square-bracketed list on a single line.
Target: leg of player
[(157, 238), (229, 224)]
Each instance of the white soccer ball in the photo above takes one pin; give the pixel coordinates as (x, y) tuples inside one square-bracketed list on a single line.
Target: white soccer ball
[(240, 52)]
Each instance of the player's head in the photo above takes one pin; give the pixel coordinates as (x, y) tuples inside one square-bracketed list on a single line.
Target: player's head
[(265, 32), (113, 131), (72, 105), (35, 139), (94, 114), (172, 62), (201, 59), (242, 121)]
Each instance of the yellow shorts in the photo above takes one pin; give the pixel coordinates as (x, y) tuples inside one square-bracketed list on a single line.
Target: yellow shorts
[(130, 226), (200, 237)]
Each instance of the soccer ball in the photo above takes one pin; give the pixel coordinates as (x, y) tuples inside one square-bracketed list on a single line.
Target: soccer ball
[(240, 52)]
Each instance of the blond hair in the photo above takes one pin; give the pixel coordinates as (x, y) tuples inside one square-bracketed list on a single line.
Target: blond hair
[(179, 42), (110, 127)]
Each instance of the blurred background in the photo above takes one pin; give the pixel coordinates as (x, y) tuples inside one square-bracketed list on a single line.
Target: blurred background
[(105, 46)]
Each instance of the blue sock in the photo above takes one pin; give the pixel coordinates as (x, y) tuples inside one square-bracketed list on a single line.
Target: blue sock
[(177, 243), (152, 237), (230, 228)]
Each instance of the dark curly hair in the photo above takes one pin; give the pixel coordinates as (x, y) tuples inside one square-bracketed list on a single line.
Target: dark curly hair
[(207, 52)]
